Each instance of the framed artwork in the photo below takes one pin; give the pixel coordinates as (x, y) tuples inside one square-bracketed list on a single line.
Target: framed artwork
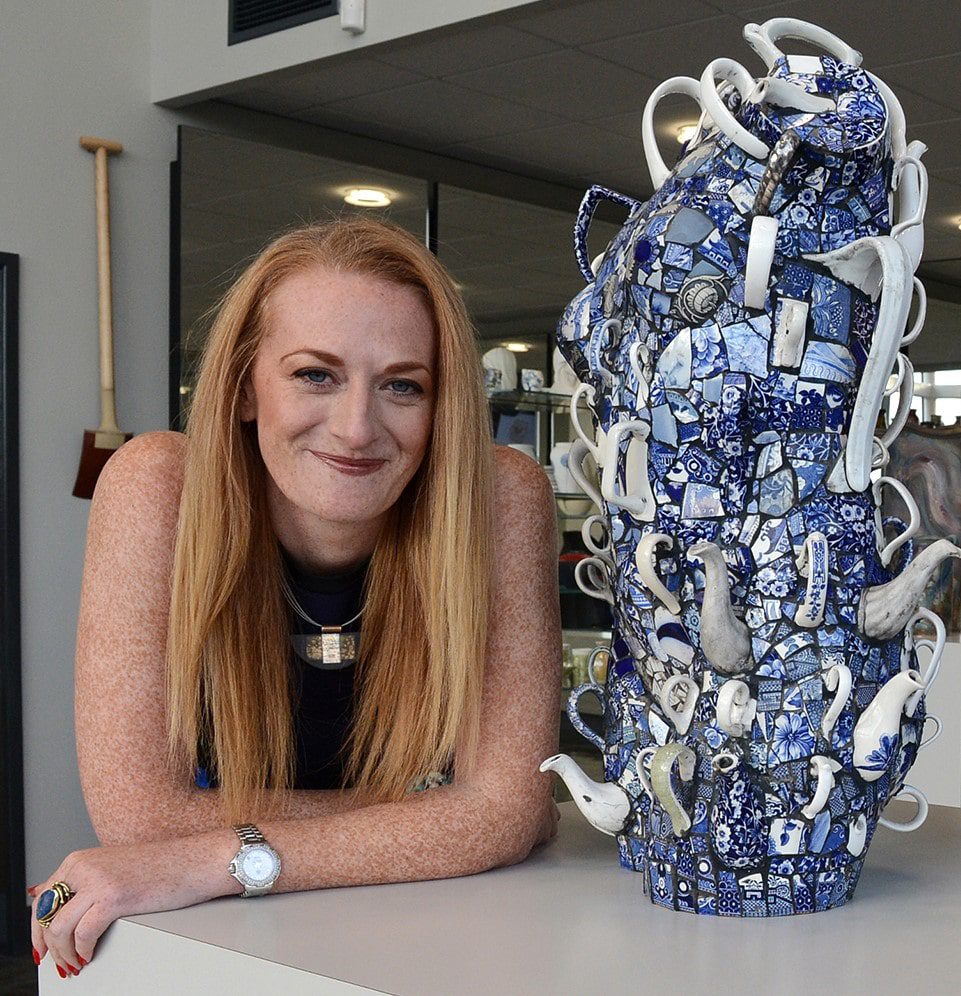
[(14, 924)]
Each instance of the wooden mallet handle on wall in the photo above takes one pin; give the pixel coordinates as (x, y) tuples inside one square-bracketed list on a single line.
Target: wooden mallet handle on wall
[(99, 444)]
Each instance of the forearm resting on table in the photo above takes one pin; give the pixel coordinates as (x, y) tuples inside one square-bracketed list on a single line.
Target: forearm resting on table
[(439, 833), (197, 810)]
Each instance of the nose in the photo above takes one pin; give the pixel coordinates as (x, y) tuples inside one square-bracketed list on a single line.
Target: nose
[(353, 418)]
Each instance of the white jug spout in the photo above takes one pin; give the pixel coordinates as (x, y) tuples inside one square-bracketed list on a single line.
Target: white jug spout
[(725, 639), (885, 609), (880, 725), (605, 806)]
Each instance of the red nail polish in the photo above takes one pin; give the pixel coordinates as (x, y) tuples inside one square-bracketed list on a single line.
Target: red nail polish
[(82, 962), (73, 971), (36, 956), (63, 974)]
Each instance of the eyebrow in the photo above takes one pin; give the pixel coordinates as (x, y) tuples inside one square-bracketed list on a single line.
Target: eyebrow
[(336, 361)]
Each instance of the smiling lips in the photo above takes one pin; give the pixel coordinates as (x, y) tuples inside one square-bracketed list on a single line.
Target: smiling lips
[(356, 468)]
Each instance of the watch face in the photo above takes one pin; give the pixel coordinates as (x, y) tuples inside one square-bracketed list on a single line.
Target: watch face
[(258, 865)]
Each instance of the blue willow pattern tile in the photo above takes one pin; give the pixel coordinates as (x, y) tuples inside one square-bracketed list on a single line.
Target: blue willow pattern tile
[(743, 452)]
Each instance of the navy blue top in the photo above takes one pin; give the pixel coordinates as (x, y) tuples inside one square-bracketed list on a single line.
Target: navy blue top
[(322, 693)]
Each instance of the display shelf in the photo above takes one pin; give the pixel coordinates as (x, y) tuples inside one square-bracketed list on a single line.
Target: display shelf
[(550, 400)]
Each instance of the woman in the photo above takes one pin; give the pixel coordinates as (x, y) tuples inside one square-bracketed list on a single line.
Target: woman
[(338, 436)]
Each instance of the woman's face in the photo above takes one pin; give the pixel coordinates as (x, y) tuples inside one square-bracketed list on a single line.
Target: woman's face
[(346, 372)]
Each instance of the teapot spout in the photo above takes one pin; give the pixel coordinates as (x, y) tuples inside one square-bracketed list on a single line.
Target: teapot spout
[(725, 639), (885, 609), (605, 806), (877, 730)]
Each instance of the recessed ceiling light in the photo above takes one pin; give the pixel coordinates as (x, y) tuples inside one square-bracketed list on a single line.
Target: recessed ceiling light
[(368, 197), (517, 347), (686, 132)]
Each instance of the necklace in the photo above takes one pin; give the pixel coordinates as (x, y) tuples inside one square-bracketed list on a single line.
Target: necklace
[(332, 646)]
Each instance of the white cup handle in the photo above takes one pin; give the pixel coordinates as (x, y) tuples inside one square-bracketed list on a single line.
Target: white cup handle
[(592, 660), (637, 367), (922, 814), (836, 679), (639, 500), (643, 775), (909, 337), (575, 464), (602, 551), (760, 259), (589, 441), (888, 551), (711, 101), (591, 577), (677, 84), (905, 389), (936, 648), (937, 732), (763, 38), (915, 192), (644, 562)]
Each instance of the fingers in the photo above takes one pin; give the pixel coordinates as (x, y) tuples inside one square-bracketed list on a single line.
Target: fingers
[(59, 937), (95, 920), (36, 931)]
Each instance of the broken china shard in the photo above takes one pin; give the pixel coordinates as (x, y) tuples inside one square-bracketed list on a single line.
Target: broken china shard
[(735, 343)]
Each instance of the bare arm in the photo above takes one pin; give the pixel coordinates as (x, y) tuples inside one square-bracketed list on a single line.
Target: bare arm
[(496, 817), (131, 796), (491, 816)]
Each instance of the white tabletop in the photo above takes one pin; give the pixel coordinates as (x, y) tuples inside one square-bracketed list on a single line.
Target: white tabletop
[(567, 920)]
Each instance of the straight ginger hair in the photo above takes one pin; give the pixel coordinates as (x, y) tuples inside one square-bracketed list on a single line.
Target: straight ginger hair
[(425, 602)]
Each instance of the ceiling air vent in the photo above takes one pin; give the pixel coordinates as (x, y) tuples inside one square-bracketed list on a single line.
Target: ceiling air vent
[(253, 18)]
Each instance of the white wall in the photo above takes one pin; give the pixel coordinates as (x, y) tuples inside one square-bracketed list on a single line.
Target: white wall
[(72, 67), (191, 57)]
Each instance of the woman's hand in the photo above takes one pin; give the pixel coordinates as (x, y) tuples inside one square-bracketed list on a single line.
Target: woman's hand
[(115, 881)]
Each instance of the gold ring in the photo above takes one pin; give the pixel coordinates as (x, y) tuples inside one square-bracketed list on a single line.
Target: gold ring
[(51, 900)]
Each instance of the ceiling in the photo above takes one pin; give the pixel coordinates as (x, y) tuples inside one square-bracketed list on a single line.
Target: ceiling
[(555, 91)]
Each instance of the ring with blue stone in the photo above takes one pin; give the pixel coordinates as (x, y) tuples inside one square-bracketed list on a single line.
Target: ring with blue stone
[(51, 900)]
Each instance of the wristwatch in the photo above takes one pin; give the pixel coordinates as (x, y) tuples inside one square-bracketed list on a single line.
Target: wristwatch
[(256, 865)]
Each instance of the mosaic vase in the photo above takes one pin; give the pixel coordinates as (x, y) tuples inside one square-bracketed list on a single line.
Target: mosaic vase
[(735, 343)]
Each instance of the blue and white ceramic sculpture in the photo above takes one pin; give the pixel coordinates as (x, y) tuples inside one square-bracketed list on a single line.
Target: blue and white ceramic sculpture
[(735, 342)]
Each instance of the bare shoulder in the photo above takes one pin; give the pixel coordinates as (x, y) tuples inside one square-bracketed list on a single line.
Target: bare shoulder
[(136, 502), (149, 464), (520, 483)]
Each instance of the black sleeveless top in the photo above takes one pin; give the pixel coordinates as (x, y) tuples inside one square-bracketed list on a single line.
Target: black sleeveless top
[(322, 693)]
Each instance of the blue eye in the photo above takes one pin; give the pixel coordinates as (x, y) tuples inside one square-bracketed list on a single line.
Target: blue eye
[(308, 375), (413, 388)]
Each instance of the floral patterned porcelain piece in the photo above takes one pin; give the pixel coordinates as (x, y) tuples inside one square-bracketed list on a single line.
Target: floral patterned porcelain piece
[(735, 343)]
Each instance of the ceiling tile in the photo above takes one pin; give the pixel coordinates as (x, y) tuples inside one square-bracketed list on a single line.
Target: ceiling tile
[(943, 140), (932, 78), (668, 51), (948, 271), (462, 48), (336, 79), (444, 112), (570, 148), (571, 84), (631, 180), (574, 23)]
